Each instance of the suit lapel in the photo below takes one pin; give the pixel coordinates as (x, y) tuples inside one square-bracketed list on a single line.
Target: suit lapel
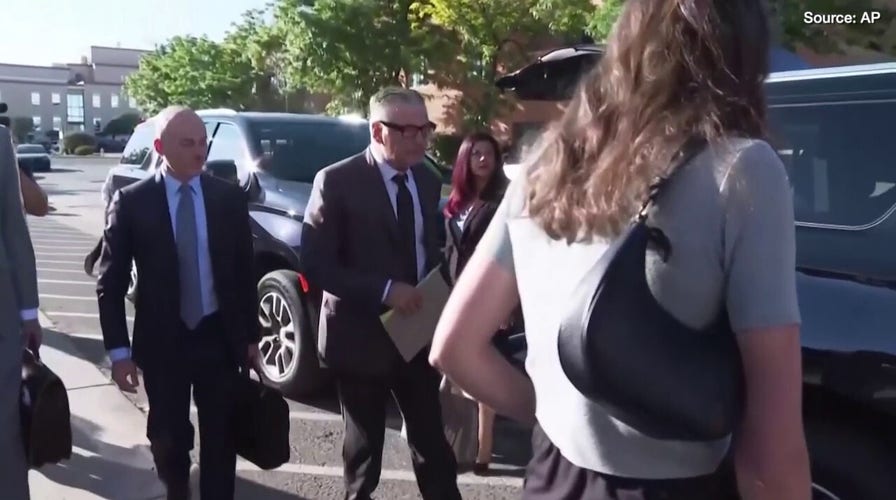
[(168, 231), (471, 219), (381, 198)]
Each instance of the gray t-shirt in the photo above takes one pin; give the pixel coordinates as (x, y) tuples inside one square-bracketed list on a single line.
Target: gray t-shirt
[(729, 216)]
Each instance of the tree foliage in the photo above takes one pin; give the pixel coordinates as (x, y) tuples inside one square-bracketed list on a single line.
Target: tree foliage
[(122, 125), (190, 71), (348, 49), (490, 35)]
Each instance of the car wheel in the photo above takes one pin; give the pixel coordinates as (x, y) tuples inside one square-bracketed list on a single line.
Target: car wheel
[(288, 348), (848, 463), (132, 286)]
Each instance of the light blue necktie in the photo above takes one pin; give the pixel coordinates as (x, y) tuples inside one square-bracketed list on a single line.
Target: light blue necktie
[(188, 259)]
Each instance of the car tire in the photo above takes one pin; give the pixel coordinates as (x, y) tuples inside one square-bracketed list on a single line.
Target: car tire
[(132, 285), (849, 463), (288, 348)]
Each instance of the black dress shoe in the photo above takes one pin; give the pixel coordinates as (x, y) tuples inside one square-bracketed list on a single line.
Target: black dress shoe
[(480, 469)]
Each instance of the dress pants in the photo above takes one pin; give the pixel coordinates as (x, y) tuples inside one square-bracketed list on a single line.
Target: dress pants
[(415, 387), (13, 466), (203, 363)]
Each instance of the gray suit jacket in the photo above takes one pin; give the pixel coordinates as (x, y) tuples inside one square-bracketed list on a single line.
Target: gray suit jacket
[(18, 273), (350, 250)]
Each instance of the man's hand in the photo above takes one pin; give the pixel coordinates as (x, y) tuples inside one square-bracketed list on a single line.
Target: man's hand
[(124, 374), (404, 298), (253, 357), (32, 335)]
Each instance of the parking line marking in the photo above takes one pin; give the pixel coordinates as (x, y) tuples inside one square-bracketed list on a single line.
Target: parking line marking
[(81, 262), (68, 297), (85, 335), (67, 240), (60, 246), (62, 254), (80, 315), (52, 270), (313, 416), (67, 282), (243, 465)]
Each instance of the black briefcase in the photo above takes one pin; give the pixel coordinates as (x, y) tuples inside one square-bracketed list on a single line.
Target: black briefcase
[(262, 424), (45, 413)]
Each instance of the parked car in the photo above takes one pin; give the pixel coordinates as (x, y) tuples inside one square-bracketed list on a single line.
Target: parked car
[(831, 128), (274, 157), (33, 158)]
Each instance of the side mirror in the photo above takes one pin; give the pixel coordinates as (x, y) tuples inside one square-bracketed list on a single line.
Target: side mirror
[(223, 169)]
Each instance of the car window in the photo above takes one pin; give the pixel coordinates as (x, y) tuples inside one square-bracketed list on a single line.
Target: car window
[(136, 151), (30, 149), (840, 159), (297, 150), (228, 144)]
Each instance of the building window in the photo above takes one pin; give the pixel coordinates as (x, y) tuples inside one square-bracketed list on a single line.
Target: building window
[(132, 102), (56, 98), (97, 101), (35, 98), (75, 108), (57, 123), (97, 125), (114, 100), (35, 120)]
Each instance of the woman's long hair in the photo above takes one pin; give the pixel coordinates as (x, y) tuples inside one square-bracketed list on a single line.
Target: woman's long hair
[(674, 70), (463, 187)]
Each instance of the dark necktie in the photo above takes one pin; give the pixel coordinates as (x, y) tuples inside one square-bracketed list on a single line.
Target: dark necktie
[(188, 259), (404, 204)]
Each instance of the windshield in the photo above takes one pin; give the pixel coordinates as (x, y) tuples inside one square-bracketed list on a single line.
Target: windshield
[(296, 151), (30, 149)]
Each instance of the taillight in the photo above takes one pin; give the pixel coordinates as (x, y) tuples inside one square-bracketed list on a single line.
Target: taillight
[(303, 283)]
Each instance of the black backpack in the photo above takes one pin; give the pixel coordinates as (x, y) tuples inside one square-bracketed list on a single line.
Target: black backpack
[(46, 418)]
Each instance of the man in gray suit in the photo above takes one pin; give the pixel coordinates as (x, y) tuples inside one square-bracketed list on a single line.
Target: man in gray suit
[(18, 320), (370, 235)]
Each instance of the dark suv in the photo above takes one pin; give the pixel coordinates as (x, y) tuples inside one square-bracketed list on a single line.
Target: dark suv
[(274, 157), (831, 128)]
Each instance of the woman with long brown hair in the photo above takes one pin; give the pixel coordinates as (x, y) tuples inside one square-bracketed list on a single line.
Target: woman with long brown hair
[(676, 73)]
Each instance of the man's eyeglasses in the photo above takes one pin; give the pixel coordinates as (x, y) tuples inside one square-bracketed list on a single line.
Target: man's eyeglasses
[(410, 131)]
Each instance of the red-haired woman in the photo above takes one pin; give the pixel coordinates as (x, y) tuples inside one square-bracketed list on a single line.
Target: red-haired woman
[(477, 187)]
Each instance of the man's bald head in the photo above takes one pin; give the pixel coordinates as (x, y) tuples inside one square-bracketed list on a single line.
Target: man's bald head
[(181, 140)]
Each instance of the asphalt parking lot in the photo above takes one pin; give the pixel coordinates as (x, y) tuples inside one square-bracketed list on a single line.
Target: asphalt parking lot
[(68, 298)]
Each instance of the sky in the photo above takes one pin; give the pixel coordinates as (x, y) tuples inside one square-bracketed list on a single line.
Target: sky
[(43, 32)]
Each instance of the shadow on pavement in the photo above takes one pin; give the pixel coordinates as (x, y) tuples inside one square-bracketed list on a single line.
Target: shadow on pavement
[(88, 349), (58, 170), (250, 489), (93, 472)]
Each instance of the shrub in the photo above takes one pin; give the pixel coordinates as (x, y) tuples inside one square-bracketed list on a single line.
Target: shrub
[(84, 150), (72, 142)]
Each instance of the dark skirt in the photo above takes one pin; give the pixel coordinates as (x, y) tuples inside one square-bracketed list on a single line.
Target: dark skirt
[(549, 476)]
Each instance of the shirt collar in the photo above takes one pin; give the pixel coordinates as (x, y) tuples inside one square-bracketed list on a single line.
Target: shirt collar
[(386, 170), (172, 185)]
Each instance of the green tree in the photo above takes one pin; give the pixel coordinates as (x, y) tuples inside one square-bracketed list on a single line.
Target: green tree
[(191, 71), (21, 128), (349, 49), (122, 125), (490, 36), (793, 31)]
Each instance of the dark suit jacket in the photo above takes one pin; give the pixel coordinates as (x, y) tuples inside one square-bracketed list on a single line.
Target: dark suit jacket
[(462, 242), (138, 227), (350, 249)]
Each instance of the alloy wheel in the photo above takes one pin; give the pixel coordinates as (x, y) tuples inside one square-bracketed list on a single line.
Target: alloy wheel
[(279, 342)]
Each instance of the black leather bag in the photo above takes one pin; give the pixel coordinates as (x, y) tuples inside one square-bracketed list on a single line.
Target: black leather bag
[(45, 414), (622, 350), (261, 424)]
